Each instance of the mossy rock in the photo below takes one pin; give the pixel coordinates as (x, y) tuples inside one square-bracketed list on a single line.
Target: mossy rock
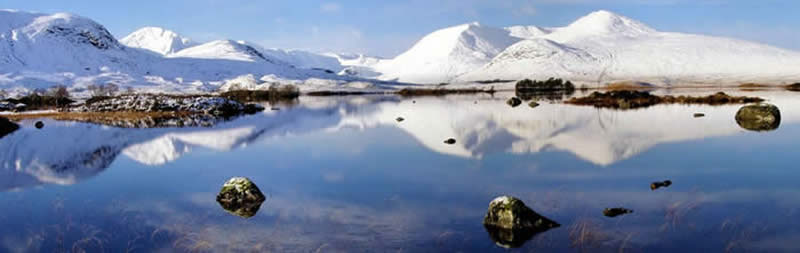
[(533, 104), (514, 102), (759, 117), (240, 197), (7, 127), (511, 213), (510, 223)]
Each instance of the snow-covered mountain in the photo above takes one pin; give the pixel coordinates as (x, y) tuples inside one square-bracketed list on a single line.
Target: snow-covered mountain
[(446, 54), (169, 43), (42, 50), (597, 49), (605, 47), (157, 40)]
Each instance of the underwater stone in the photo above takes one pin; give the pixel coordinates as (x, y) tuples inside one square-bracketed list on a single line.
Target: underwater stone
[(759, 117), (240, 197)]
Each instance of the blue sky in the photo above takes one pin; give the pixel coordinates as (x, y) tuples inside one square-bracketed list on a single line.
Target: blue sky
[(386, 28)]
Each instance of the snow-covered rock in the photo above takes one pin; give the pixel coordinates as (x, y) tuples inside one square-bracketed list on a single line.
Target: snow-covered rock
[(164, 103)]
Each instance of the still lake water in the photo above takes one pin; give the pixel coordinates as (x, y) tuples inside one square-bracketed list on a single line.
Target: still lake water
[(342, 175)]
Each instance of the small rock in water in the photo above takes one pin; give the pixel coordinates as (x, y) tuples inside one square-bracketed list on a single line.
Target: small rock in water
[(656, 185), (514, 102), (450, 141), (39, 125), (400, 119), (614, 212), (253, 108), (533, 104), (511, 223), (759, 117), (699, 115), (275, 109), (240, 197)]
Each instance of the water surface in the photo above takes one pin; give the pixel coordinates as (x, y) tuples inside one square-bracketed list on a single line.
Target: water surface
[(342, 175)]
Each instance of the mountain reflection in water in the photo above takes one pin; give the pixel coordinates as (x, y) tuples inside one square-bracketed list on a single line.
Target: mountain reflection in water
[(346, 174)]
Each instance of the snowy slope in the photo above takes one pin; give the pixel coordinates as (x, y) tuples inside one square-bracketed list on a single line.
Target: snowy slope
[(447, 53), (305, 59), (158, 40), (605, 47), (224, 49)]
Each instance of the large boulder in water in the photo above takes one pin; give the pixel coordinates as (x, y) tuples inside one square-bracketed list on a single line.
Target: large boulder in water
[(759, 117), (7, 127), (514, 102), (241, 197), (511, 223)]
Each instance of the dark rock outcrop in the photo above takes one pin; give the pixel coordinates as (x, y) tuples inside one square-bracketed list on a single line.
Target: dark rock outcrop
[(626, 99)]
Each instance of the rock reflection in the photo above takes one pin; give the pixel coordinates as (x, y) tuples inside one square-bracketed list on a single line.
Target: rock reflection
[(7, 127), (759, 117)]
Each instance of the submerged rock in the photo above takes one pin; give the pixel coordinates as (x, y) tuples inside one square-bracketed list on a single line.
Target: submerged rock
[(656, 185), (759, 117), (614, 212), (39, 125), (240, 197), (514, 102), (450, 141), (7, 127), (510, 223)]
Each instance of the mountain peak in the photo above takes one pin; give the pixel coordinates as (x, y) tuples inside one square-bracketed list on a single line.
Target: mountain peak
[(606, 22), (157, 39)]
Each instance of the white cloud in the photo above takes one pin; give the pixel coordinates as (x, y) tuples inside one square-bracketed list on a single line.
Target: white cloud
[(330, 7)]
